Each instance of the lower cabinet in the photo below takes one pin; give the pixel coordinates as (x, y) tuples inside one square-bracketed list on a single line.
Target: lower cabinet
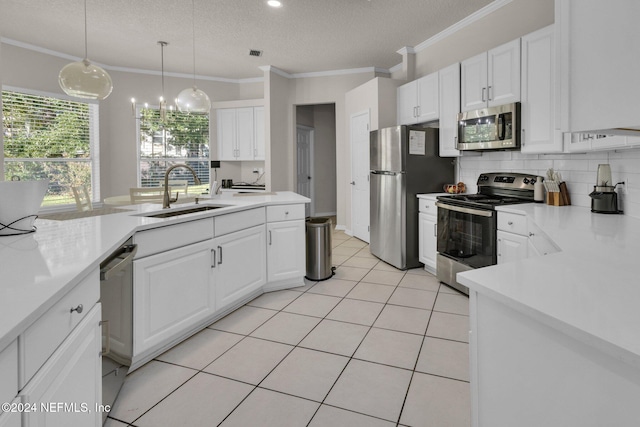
[(11, 419), (69, 384), (285, 256), (172, 292), (427, 240), (511, 247), (240, 264)]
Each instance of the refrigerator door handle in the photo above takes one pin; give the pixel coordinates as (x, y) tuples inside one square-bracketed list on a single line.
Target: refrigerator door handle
[(386, 173)]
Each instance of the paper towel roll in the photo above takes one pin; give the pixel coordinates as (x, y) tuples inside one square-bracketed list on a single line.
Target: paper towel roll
[(538, 191)]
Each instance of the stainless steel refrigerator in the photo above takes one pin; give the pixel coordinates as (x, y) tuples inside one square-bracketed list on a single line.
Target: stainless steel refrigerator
[(404, 162)]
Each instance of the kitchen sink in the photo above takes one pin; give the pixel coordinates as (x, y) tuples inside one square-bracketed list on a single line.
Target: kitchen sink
[(186, 211)]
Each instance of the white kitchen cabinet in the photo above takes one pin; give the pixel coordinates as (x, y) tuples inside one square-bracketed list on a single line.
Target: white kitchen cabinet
[(8, 373), (449, 94), (491, 78), (418, 100), (511, 247), (240, 133), (70, 381), (11, 419), (539, 133), (597, 74), (258, 133), (240, 264), (285, 238), (427, 232), (518, 238), (173, 292)]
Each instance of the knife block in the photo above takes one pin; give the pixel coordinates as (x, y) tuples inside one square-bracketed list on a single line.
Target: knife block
[(560, 198)]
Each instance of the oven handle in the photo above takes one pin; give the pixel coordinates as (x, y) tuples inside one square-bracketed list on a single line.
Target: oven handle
[(479, 212)]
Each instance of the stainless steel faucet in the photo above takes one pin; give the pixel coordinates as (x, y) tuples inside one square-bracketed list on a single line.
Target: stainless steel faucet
[(166, 199)]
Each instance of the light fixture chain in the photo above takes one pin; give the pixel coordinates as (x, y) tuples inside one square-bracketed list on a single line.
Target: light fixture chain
[(193, 33)]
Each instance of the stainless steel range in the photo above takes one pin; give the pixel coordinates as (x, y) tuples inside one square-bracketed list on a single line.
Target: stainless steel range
[(467, 223)]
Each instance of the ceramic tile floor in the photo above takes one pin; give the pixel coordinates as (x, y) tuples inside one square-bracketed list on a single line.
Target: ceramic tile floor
[(372, 346)]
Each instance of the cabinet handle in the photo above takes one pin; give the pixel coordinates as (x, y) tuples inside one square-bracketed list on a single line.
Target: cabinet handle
[(220, 258), (255, 152), (213, 258), (435, 230), (483, 98), (418, 111), (269, 237), (107, 348), (531, 234), (489, 93), (510, 222), (286, 212), (78, 309)]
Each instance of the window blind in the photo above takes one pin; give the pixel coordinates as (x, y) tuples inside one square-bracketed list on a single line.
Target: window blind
[(50, 138)]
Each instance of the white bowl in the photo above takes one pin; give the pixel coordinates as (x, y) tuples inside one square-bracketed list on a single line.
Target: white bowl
[(19, 203)]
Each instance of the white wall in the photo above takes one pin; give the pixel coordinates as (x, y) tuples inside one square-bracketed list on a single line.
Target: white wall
[(28, 69)]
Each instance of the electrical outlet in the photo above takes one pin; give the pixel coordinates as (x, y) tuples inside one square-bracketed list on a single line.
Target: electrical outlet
[(255, 170)]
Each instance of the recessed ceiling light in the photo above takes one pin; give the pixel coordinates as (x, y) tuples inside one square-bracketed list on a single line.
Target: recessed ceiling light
[(274, 3)]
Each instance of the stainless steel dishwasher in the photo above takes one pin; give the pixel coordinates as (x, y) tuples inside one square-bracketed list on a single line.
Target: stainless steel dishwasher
[(116, 296)]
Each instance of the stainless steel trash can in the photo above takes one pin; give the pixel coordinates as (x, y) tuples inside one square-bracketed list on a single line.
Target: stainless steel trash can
[(318, 237)]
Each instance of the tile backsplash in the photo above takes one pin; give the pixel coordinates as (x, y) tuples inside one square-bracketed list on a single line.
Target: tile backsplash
[(578, 170)]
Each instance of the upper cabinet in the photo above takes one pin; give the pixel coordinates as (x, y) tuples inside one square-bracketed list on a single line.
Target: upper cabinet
[(418, 100), (598, 65), (449, 94), (539, 134), (491, 78), (241, 133)]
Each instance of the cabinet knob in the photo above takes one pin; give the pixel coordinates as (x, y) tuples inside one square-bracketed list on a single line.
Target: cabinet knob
[(510, 223), (78, 309), (286, 212), (531, 234)]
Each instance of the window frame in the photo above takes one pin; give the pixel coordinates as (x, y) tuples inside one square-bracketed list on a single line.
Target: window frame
[(94, 144)]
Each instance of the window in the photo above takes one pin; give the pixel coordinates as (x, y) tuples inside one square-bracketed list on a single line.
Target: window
[(181, 138), (51, 138)]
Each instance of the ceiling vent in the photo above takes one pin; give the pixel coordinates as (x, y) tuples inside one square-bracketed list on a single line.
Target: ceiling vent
[(254, 52)]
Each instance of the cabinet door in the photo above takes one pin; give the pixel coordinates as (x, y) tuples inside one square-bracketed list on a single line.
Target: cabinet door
[(11, 419), (226, 133), (241, 264), (407, 103), (258, 132), (538, 93), (172, 292), (504, 74), (474, 83), (428, 105), (72, 377), (511, 247), (244, 132), (427, 240), (449, 90), (598, 74), (285, 259)]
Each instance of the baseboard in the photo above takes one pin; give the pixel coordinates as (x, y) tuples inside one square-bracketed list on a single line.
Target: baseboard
[(340, 227)]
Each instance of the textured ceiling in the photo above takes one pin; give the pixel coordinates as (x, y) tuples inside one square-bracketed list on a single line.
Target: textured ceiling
[(303, 36)]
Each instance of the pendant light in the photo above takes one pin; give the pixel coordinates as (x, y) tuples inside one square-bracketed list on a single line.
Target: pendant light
[(193, 100), (83, 79)]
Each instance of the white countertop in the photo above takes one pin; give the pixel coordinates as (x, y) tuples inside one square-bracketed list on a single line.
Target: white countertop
[(37, 269), (590, 290)]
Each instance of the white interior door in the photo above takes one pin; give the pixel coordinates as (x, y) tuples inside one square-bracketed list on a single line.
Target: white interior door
[(360, 175), (304, 136)]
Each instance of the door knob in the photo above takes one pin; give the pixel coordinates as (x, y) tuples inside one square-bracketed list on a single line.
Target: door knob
[(308, 177)]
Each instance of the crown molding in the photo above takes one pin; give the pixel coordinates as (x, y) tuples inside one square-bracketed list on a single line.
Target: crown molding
[(405, 50)]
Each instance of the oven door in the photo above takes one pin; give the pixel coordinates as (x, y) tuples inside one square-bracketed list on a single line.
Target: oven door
[(467, 235)]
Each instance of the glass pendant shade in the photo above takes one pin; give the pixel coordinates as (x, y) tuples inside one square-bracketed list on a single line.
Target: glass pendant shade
[(193, 100), (85, 80)]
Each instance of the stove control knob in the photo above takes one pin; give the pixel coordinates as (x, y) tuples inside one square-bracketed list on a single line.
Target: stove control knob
[(532, 181), (526, 180)]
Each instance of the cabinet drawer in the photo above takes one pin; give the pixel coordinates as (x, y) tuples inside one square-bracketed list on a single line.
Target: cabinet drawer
[(512, 223), (173, 236), (237, 221), (427, 206), (285, 212), (42, 338), (9, 373)]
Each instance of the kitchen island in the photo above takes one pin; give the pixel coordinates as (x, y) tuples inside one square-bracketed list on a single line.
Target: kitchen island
[(47, 339), (555, 339)]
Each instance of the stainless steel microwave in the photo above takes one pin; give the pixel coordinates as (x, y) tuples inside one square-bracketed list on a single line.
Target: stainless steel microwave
[(492, 128)]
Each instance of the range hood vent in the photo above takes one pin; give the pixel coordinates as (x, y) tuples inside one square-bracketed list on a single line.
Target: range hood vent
[(255, 52)]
